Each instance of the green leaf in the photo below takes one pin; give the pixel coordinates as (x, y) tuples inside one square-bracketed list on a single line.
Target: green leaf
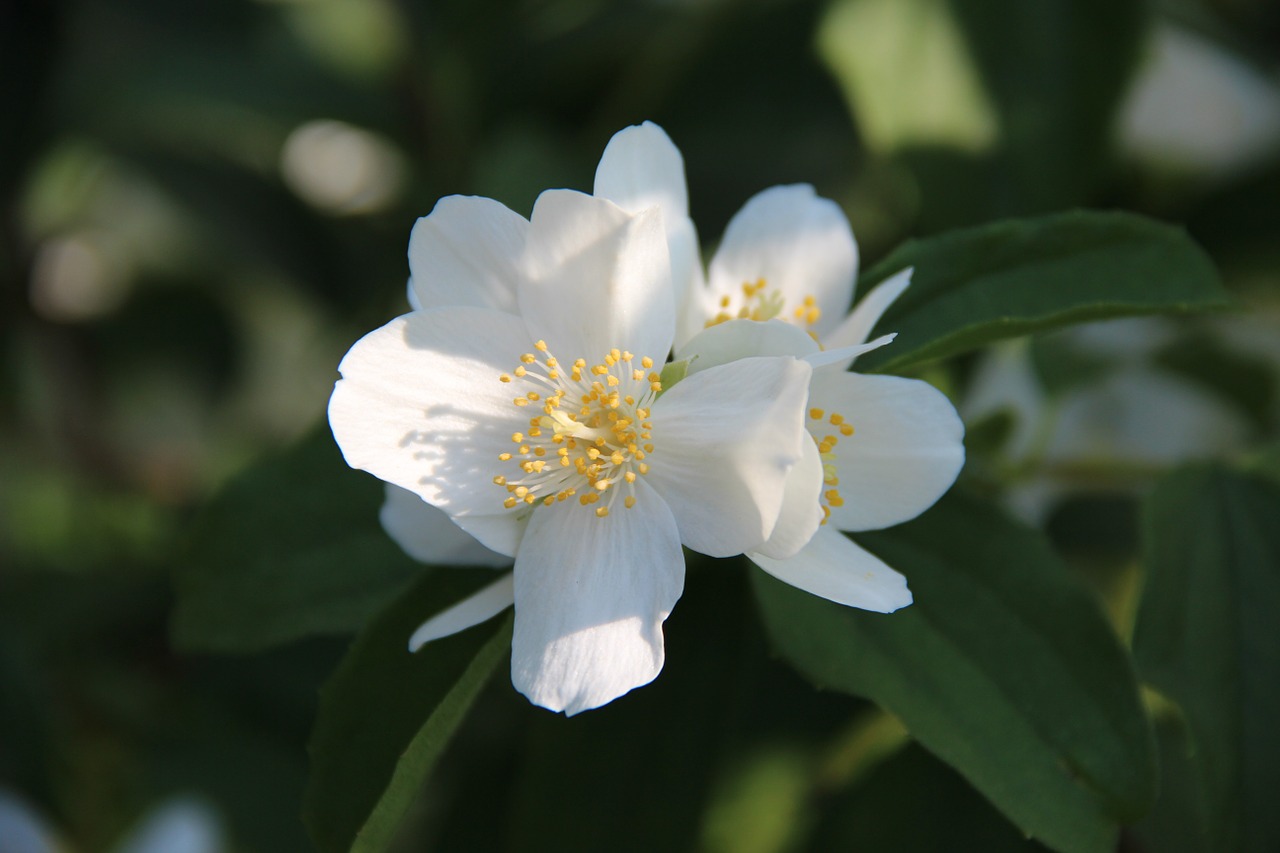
[(291, 548), (987, 105), (1007, 279), (913, 802), (1205, 637), (386, 715), (1004, 667)]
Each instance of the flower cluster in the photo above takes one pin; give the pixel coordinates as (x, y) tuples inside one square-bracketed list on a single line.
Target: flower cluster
[(525, 411)]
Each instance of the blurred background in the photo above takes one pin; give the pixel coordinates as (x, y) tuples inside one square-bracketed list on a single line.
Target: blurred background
[(203, 204)]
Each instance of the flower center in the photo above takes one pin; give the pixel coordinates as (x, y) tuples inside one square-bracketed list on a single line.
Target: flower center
[(592, 435), (761, 303), (834, 423)]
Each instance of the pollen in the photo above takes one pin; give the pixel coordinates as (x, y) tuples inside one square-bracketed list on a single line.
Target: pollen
[(596, 440), (831, 496)]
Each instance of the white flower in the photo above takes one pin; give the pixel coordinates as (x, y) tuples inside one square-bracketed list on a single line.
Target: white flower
[(886, 448), (538, 427), (781, 283)]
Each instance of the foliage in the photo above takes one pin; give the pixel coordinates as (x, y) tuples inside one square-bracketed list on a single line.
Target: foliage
[(184, 556)]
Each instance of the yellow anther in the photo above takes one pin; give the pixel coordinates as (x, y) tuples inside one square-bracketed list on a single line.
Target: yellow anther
[(637, 374), (644, 467), (499, 480), (836, 419), (504, 457), (548, 500), (509, 503), (504, 378), (539, 451), (541, 346), (627, 356), (846, 429), (809, 301), (724, 301), (617, 458), (648, 448), (528, 358), (646, 362), (520, 401), (521, 491), (630, 476), (630, 501), (655, 386), (524, 450), (520, 371), (517, 437), (602, 511), (593, 453), (533, 395), (550, 361), (602, 485), (612, 380), (816, 414)]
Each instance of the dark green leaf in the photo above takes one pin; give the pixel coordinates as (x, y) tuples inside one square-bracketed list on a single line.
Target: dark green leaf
[(1004, 667), (913, 802), (291, 548), (1012, 278), (386, 714), (1205, 637)]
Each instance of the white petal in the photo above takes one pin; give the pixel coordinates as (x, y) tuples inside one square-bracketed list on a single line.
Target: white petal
[(600, 278), (420, 406), (906, 450), (834, 568), (724, 441), (858, 325), (796, 242), (641, 167), (591, 596), (735, 339), (801, 512), (467, 251), (844, 356), (479, 607), (429, 536)]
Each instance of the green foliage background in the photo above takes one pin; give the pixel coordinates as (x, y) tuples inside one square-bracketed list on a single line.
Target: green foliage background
[(194, 589)]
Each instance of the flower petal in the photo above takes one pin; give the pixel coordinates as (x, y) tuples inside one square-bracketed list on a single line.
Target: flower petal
[(600, 278), (591, 596), (801, 512), (479, 607), (420, 406), (855, 328), (467, 251), (641, 168), (905, 451), (798, 243), (428, 535), (735, 339), (833, 567), (724, 441), (844, 356)]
